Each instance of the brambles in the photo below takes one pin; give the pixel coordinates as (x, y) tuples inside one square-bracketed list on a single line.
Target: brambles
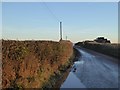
[(17, 53), (18, 87), (30, 79), (14, 50), (31, 64)]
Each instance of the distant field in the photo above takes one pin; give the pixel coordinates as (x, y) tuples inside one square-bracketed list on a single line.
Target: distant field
[(34, 64), (111, 49)]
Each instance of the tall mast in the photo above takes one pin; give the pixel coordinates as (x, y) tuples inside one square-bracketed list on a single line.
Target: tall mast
[(60, 30)]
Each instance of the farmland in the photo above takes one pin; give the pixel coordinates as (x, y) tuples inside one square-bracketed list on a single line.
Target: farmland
[(34, 64)]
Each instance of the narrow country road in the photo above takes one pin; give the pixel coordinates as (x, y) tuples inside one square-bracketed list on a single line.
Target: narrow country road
[(92, 70)]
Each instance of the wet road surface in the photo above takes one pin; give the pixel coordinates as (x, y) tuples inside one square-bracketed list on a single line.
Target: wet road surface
[(93, 70)]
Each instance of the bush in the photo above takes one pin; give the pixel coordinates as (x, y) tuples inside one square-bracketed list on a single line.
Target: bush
[(40, 59)]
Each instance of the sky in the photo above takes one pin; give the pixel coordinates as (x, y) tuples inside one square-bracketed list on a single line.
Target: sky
[(60, 0), (40, 20), (0, 20)]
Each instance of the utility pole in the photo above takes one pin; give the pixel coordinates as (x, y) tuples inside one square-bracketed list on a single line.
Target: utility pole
[(60, 30)]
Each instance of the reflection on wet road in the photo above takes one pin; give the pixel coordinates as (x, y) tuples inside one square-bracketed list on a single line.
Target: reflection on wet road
[(92, 70)]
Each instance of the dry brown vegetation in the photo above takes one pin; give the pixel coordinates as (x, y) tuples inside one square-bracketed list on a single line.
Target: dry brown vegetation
[(33, 64), (0, 64)]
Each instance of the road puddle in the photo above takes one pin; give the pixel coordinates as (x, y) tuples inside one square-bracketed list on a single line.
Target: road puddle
[(72, 81)]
